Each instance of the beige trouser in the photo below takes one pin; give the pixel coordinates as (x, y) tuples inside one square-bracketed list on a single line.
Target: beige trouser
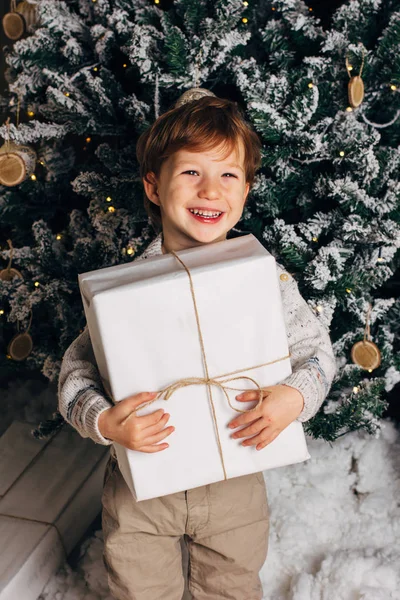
[(224, 524)]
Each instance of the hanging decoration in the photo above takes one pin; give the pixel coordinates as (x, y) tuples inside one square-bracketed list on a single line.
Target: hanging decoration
[(20, 20), (356, 85), (17, 162), (365, 353)]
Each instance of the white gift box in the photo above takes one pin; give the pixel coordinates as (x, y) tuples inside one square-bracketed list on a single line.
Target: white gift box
[(50, 492), (142, 324)]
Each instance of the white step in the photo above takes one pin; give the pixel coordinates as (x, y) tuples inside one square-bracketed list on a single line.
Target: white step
[(50, 494)]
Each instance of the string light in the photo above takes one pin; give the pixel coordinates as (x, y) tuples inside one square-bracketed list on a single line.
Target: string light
[(393, 87), (310, 85), (341, 153), (350, 68), (30, 113), (369, 370), (244, 20), (348, 290), (41, 162), (349, 109), (129, 251), (245, 3), (310, 9), (111, 209), (33, 177), (66, 94), (37, 284), (108, 198), (58, 237), (315, 239), (273, 8), (124, 65), (156, 1), (88, 139), (319, 308), (356, 389), (95, 69), (1, 311)]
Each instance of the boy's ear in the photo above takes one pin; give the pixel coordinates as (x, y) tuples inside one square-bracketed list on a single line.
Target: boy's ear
[(150, 187)]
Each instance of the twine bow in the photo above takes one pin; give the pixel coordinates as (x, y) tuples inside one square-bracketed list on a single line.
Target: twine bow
[(209, 381)]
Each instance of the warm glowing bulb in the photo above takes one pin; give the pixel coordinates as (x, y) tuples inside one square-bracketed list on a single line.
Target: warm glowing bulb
[(41, 162), (33, 177), (310, 85), (1, 311), (349, 109), (393, 87), (36, 283), (341, 153), (369, 370), (30, 113), (319, 308), (350, 68), (379, 259), (66, 93), (156, 1), (310, 9), (273, 8), (244, 20), (245, 3), (348, 290), (124, 65), (108, 198), (315, 239), (88, 139), (355, 389), (130, 251), (58, 236), (111, 209), (95, 69)]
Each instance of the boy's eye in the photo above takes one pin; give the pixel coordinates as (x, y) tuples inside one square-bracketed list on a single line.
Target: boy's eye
[(193, 171)]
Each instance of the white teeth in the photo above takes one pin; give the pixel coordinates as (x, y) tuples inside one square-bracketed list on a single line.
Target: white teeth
[(205, 213)]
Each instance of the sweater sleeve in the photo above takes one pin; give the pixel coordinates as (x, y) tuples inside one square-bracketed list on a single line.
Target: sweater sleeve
[(312, 357), (81, 395)]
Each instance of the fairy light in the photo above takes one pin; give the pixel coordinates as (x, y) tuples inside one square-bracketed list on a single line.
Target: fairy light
[(41, 162), (95, 69), (350, 68), (30, 113), (33, 177), (319, 308), (124, 65), (244, 20), (310, 85), (369, 370), (315, 239), (348, 290), (1, 311), (356, 389), (349, 109), (129, 251), (88, 139), (108, 199), (341, 153), (245, 3), (310, 9), (66, 94), (37, 284), (156, 1), (58, 237), (111, 209), (393, 87)]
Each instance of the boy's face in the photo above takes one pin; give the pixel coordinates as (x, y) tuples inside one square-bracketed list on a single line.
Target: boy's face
[(198, 180)]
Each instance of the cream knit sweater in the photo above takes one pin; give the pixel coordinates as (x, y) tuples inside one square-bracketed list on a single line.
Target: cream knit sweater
[(82, 398)]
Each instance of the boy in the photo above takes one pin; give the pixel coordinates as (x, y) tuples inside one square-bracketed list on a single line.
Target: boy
[(198, 162)]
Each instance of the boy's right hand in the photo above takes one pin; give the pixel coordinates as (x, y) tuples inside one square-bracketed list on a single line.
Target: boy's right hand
[(136, 432)]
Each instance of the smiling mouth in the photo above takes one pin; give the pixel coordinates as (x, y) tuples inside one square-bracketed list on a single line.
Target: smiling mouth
[(208, 217)]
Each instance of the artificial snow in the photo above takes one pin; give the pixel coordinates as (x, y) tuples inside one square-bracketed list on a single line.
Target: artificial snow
[(335, 527)]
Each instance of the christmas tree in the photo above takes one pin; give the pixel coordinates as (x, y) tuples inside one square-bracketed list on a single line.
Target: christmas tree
[(90, 77)]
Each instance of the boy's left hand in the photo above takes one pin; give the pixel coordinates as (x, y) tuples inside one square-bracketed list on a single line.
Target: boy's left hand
[(280, 406)]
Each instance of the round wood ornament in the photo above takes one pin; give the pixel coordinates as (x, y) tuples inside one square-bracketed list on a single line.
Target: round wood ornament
[(356, 91), (366, 354), (16, 163), (20, 346), (14, 25)]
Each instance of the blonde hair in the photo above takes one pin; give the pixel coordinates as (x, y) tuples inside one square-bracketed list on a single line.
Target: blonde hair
[(198, 126)]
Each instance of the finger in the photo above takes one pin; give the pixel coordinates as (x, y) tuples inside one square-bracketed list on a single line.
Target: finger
[(155, 428), (153, 439), (262, 439), (250, 395), (246, 419), (155, 448), (252, 429), (151, 419), (127, 406)]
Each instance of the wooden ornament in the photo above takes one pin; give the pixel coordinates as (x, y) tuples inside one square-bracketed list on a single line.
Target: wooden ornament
[(16, 163), (20, 346), (19, 20), (366, 355), (356, 91)]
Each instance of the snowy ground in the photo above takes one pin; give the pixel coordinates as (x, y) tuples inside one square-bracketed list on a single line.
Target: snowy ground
[(335, 528)]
